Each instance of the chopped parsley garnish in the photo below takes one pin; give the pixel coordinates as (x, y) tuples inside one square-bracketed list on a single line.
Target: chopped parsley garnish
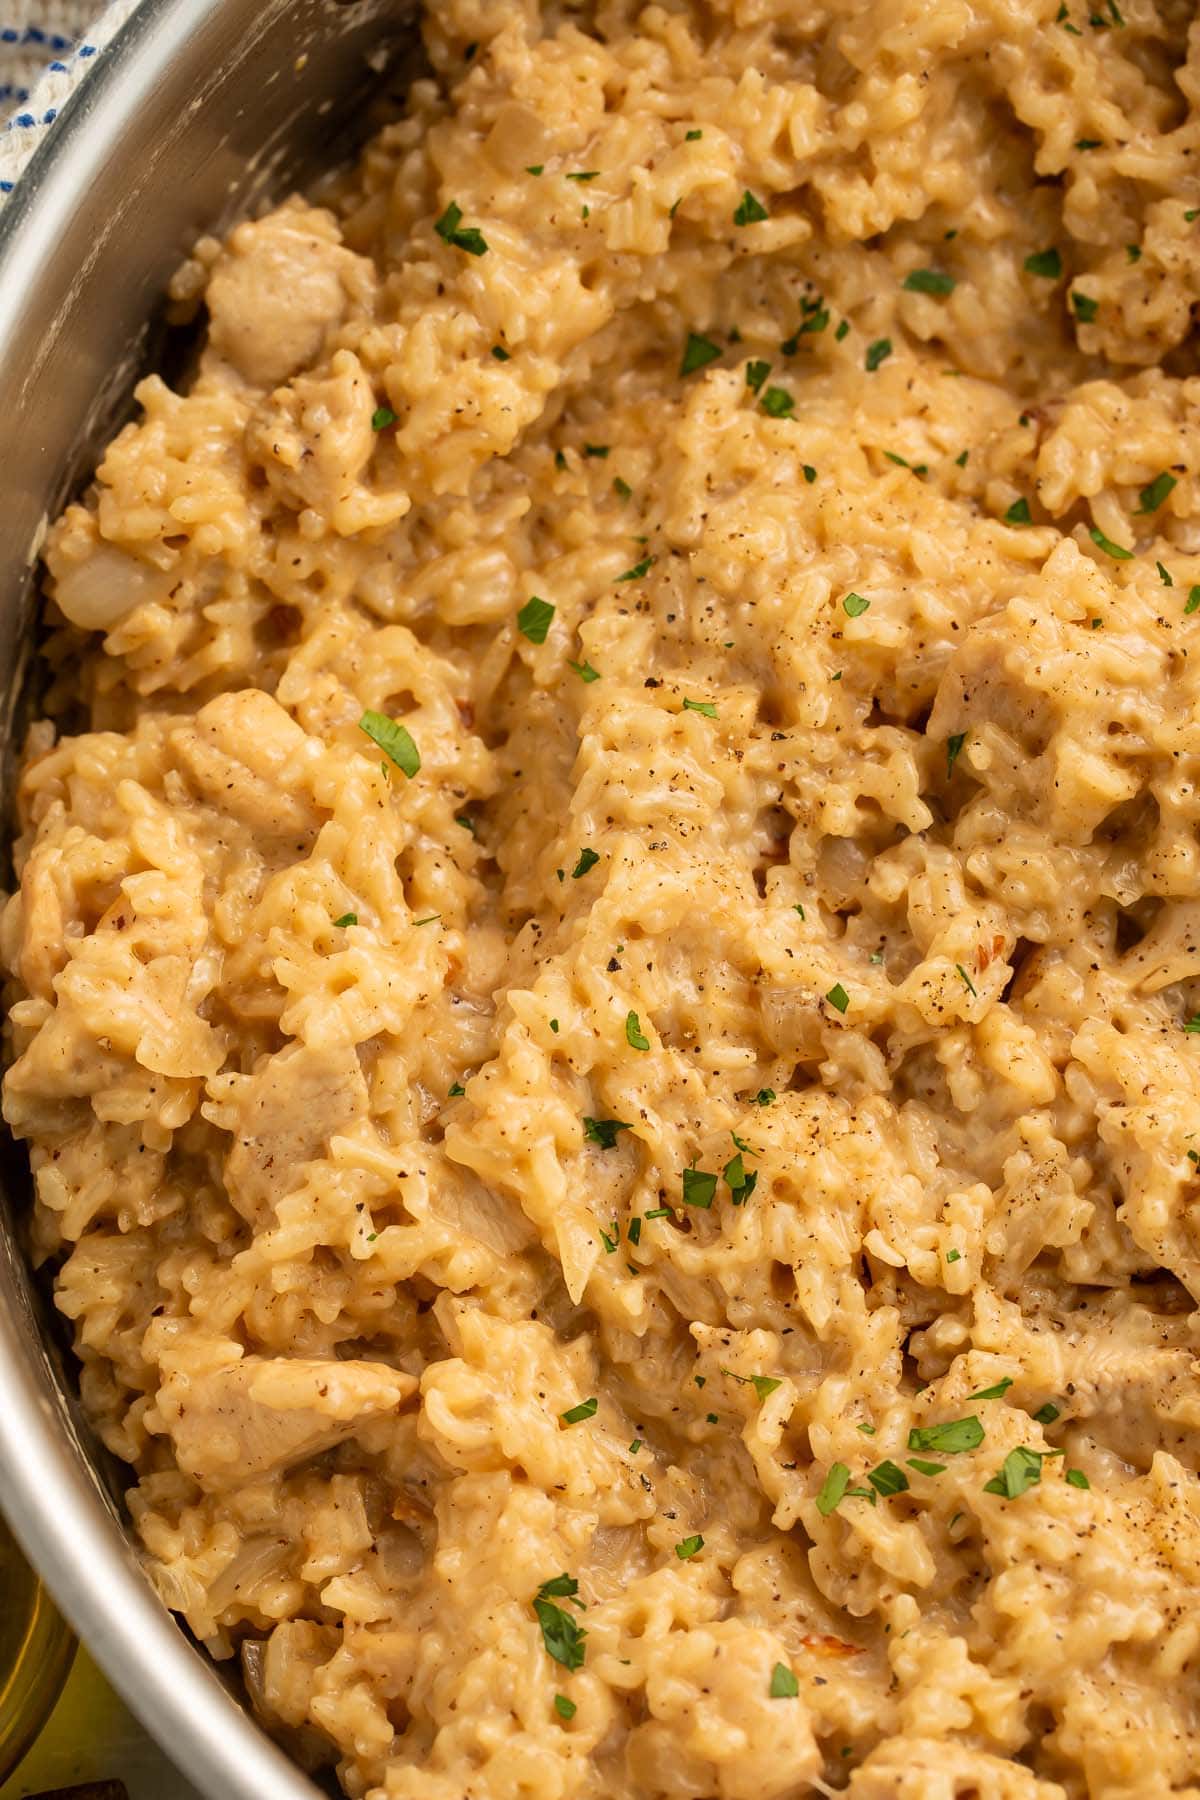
[(996, 1392), (1193, 1023), (456, 1090), (604, 1131), (800, 909), (817, 320), (756, 374), (809, 473), (346, 919), (1088, 143), (659, 1212), (887, 1479), (1046, 1415), (953, 1256), (697, 353), (575, 1415), (950, 1438), (833, 1489), (954, 745), (701, 706), (925, 1468), (554, 1025), (854, 606), (1076, 1478), (838, 997), (1106, 544), (877, 353), (600, 450), (1019, 513), (562, 1587), (691, 1546), (621, 487), (587, 860), (765, 1097), (699, 1188), (967, 982), (778, 403), (930, 281), (451, 230), (583, 175), (692, 136), (765, 1385), (382, 417), (1085, 307), (1155, 492), (740, 1182), (634, 1035), (1020, 1471), (1133, 252), (1165, 575), (500, 353), (584, 670), (638, 570), (429, 919), (750, 211), (961, 459), (842, 330), (1046, 263), (1193, 600), (565, 1708), (561, 1635), (533, 620), (635, 1446), (784, 1685), (534, 168), (393, 739), (610, 1243)]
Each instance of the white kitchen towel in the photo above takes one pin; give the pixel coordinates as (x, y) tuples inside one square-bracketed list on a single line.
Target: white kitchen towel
[(46, 49)]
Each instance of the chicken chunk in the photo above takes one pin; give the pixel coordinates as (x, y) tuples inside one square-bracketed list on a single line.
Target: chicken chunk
[(283, 1116), (315, 441), (247, 757), (277, 288), (264, 1414)]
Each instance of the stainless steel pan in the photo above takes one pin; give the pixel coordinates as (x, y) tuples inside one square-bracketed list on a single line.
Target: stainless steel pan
[(196, 108)]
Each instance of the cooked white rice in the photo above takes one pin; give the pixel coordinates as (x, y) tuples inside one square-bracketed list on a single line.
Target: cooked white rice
[(725, 1128)]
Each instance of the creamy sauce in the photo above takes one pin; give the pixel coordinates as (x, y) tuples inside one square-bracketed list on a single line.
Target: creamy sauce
[(603, 991)]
